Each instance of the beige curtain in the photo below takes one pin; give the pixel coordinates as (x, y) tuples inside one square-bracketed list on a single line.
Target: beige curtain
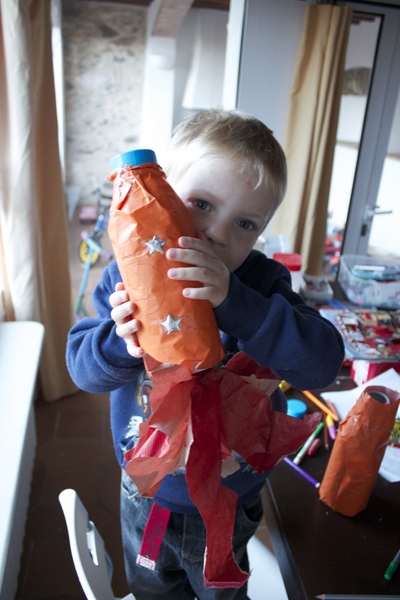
[(33, 230), (311, 131)]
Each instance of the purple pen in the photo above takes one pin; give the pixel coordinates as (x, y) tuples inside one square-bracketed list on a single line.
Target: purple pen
[(315, 483)]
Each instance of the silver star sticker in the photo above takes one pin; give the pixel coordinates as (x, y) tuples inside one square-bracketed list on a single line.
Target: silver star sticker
[(156, 245), (171, 324)]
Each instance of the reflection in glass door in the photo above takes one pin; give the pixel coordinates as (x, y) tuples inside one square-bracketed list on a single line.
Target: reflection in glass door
[(373, 153), (359, 65), (385, 217)]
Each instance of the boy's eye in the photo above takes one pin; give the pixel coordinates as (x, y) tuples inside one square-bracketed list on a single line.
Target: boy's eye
[(202, 204), (245, 224)]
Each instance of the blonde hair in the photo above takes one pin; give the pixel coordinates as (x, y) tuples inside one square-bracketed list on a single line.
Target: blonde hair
[(236, 135)]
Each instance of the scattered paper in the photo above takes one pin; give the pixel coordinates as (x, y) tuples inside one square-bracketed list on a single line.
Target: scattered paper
[(345, 400), (390, 465)]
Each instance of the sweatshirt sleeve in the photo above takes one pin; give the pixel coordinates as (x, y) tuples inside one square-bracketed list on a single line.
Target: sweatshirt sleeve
[(96, 357), (274, 326)]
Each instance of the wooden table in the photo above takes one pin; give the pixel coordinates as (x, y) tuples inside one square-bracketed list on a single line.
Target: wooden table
[(320, 551)]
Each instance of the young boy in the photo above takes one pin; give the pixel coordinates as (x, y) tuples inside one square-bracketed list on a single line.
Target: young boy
[(230, 173)]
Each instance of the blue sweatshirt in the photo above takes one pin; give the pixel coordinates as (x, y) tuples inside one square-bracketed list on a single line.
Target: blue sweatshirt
[(261, 317)]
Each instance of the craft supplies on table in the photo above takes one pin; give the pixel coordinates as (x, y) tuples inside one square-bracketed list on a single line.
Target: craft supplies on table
[(370, 281), (371, 335), (316, 288)]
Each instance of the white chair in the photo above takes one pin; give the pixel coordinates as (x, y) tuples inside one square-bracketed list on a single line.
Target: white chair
[(92, 563)]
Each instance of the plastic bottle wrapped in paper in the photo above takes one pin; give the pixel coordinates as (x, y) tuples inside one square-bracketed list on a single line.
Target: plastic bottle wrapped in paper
[(358, 451), (146, 218), (189, 399)]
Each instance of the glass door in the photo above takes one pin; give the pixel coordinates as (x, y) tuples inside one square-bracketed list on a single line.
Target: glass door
[(385, 217), (359, 66), (372, 197)]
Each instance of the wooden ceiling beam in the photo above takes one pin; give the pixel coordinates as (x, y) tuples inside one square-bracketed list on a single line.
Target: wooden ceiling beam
[(170, 16)]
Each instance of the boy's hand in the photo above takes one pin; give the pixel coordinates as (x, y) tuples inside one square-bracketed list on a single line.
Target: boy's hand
[(204, 266), (127, 326)]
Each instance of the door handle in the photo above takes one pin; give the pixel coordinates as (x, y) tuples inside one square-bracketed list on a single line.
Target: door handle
[(372, 212)]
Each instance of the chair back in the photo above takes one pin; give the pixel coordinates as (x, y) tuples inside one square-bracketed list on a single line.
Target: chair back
[(91, 561)]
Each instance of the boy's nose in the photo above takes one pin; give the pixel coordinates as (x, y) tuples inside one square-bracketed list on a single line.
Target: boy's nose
[(216, 234)]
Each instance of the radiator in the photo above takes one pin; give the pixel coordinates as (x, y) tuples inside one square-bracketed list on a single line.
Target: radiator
[(20, 348)]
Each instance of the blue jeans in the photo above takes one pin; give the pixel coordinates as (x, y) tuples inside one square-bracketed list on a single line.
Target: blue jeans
[(179, 568)]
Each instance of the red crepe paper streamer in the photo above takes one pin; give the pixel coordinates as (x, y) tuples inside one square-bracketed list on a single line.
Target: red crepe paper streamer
[(207, 416)]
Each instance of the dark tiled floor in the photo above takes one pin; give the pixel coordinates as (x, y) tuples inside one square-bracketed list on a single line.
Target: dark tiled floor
[(74, 449)]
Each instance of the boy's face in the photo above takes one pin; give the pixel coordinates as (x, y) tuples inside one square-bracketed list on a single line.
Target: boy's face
[(224, 207)]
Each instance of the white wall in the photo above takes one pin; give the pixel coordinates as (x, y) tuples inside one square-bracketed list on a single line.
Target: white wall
[(272, 32), (204, 83), (249, 29), (233, 52), (177, 81)]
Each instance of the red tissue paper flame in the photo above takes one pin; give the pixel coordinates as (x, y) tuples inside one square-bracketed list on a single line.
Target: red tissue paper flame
[(199, 420)]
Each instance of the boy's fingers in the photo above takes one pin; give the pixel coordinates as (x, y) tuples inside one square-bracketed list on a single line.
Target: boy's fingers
[(197, 243), (122, 312), (187, 245), (203, 275), (126, 326), (203, 293), (191, 274), (119, 286), (211, 293), (118, 297), (200, 267), (190, 257), (125, 330), (133, 348)]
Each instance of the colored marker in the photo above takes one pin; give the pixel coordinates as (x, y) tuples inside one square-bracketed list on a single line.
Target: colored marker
[(284, 385), (314, 447), (392, 568), (303, 450), (331, 427), (333, 409), (320, 404), (326, 436), (313, 481)]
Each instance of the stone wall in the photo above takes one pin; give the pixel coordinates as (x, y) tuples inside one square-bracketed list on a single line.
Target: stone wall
[(104, 54)]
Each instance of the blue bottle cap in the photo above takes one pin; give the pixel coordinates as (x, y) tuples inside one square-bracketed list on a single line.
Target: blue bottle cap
[(134, 158), (296, 408)]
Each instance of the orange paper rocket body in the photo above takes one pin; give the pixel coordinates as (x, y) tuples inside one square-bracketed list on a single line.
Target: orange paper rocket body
[(358, 451), (146, 218)]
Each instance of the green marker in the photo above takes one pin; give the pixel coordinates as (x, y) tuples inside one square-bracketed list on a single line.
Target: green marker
[(305, 447), (392, 568)]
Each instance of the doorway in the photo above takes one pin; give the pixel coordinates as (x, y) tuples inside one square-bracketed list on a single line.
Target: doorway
[(385, 225), (360, 58), (373, 214)]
